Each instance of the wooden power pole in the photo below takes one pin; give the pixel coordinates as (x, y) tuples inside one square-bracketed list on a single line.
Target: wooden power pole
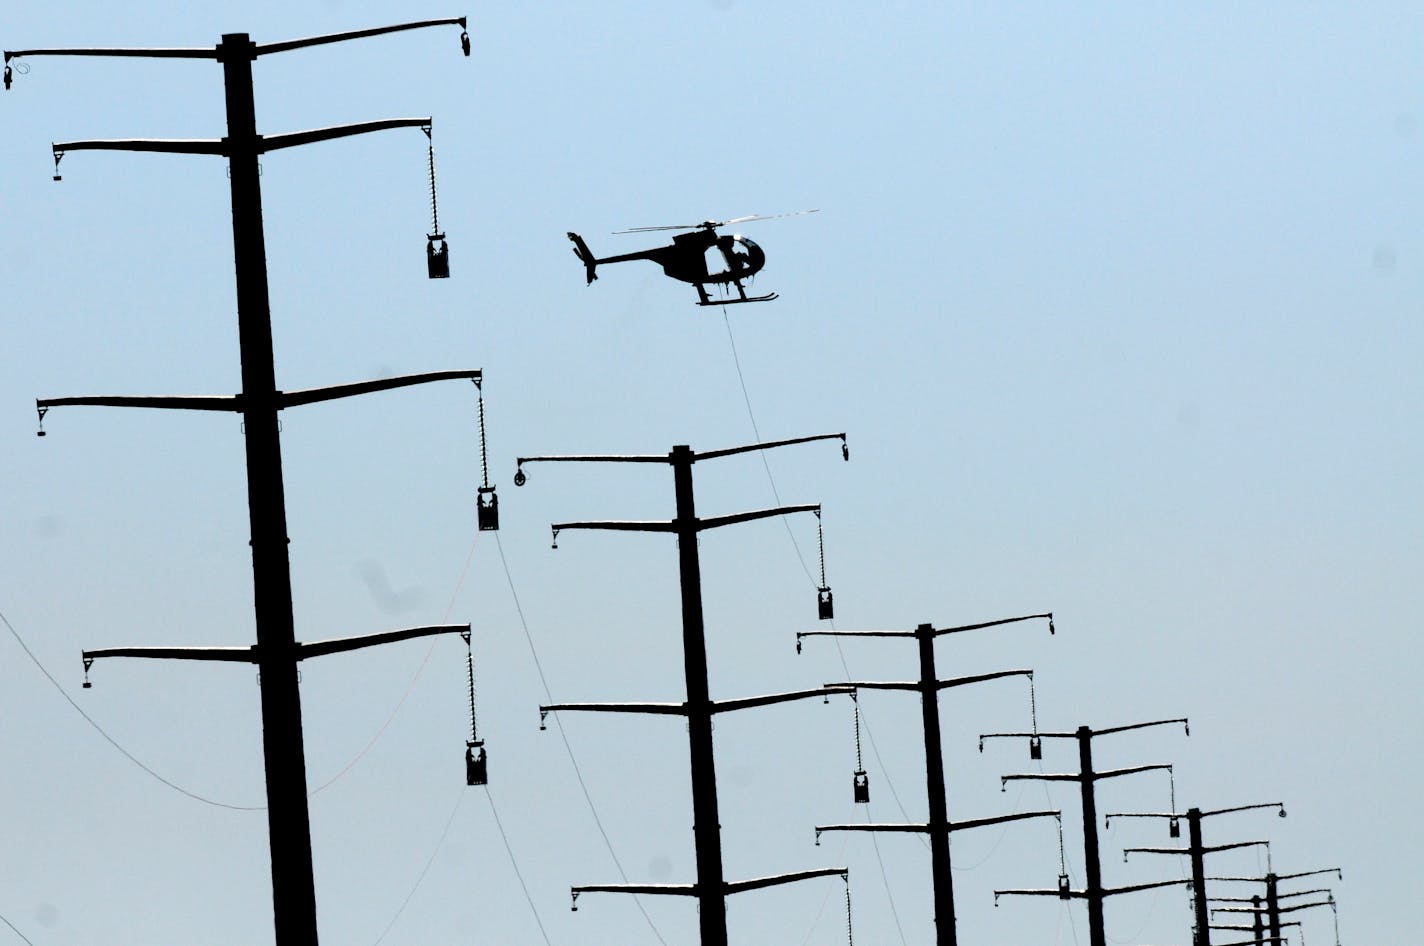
[(276, 652), (711, 888), (938, 826)]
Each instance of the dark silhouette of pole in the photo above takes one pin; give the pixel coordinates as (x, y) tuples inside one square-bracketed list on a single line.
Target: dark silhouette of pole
[(276, 652), (939, 826), (1197, 850), (711, 888), (1087, 778), (1273, 910)]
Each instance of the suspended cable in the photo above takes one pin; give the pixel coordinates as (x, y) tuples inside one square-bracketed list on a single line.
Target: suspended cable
[(22, 935), (445, 831), (520, 876), (410, 687), (110, 739), (568, 747)]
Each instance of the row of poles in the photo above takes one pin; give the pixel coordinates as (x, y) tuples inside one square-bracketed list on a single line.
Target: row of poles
[(277, 653)]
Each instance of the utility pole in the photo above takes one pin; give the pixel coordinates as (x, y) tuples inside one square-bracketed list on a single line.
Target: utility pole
[(276, 652), (1272, 910), (711, 888), (939, 826), (1198, 851), (1087, 778)]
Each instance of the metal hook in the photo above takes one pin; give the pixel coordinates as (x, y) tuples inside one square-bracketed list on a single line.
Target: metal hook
[(1050, 624), (9, 78), (519, 478), (574, 904), (88, 662), (58, 157), (465, 41), (818, 837), (543, 715), (845, 449), (42, 411), (556, 538)]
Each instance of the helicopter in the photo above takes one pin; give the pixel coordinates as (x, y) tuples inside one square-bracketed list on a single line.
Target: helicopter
[(686, 258)]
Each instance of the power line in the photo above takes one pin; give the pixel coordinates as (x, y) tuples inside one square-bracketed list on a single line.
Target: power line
[(568, 748), (110, 739)]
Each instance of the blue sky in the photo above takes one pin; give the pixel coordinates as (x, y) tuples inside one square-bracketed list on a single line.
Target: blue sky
[(1119, 308)]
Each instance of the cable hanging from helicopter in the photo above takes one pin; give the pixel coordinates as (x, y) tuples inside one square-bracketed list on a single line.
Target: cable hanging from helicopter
[(686, 258)]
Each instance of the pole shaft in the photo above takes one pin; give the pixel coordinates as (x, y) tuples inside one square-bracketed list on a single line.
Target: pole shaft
[(1201, 936), (1097, 932), (289, 827), (711, 889), (945, 934), (1273, 906)]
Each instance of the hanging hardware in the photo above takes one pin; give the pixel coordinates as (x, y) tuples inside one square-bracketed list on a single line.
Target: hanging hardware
[(519, 478), (845, 449), (556, 539), (486, 502), (42, 411), (1065, 889), (9, 78), (437, 251), (465, 42), (88, 662), (58, 157), (1035, 744), (574, 905), (1174, 828), (860, 782), (543, 716), (476, 762), (825, 606)]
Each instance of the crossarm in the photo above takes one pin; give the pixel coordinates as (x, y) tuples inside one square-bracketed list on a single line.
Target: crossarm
[(757, 883), (159, 53), (1210, 849), (980, 678), (314, 395), (1110, 891), (983, 624), (265, 48), (657, 709), (292, 139), (1000, 819), (714, 522), (235, 654), (169, 402), (747, 702), (618, 525), (165, 145), (769, 445), (339, 645)]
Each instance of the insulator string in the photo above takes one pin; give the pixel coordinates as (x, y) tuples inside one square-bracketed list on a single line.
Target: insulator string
[(484, 457), (821, 544), (470, 674), (434, 210), (855, 701)]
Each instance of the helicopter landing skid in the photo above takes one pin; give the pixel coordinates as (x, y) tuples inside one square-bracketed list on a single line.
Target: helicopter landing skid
[(766, 298)]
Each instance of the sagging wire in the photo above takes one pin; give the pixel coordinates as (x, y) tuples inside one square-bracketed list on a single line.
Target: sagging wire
[(568, 747), (110, 739)]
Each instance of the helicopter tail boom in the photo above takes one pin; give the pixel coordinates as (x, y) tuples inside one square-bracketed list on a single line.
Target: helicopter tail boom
[(582, 252)]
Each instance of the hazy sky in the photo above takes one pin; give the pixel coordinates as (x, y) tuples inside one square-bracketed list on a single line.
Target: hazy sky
[(1118, 304)]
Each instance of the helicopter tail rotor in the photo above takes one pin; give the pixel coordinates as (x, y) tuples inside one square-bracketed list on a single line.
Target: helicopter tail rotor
[(582, 252)]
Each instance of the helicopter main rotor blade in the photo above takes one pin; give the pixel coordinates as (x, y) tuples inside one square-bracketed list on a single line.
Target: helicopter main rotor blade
[(714, 224), (794, 213), (690, 226)]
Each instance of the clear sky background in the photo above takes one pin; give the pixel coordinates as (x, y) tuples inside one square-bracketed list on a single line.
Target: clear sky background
[(1119, 305)]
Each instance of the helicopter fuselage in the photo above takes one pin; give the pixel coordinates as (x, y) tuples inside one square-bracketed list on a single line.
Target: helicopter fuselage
[(686, 260)]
